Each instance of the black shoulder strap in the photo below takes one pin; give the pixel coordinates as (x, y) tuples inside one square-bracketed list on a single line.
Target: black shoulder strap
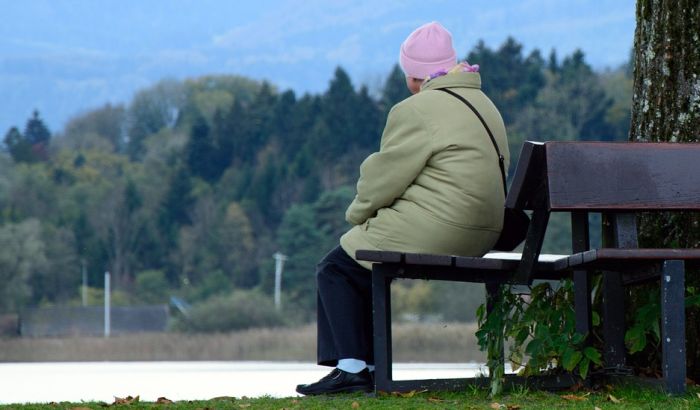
[(501, 159)]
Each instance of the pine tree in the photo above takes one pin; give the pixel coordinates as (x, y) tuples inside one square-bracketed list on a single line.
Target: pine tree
[(394, 90), (19, 148), (201, 152), (33, 144)]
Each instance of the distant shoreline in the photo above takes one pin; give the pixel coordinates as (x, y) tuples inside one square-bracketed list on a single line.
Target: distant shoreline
[(413, 342)]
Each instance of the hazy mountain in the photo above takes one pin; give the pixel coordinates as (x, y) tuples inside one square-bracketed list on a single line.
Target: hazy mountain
[(66, 56)]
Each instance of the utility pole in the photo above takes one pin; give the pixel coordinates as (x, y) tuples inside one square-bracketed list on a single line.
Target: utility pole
[(108, 317), (279, 265), (85, 284)]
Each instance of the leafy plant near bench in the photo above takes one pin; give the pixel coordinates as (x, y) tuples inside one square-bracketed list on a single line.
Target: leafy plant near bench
[(540, 326)]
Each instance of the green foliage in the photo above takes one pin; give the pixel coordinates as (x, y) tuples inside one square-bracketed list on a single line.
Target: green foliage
[(102, 128), (237, 311), (22, 255), (204, 179), (511, 80), (152, 286), (33, 144), (394, 90), (540, 327)]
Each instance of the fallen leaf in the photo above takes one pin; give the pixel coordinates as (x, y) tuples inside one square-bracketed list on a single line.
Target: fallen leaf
[(125, 400), (573, 397), (435, 400), (512, 407), (163, 400), (495, 406), (614, 399), (407, 394), (597, 408), (355, 405)]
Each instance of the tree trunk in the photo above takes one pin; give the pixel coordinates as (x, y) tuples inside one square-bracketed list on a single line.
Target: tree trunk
[(666, 107)]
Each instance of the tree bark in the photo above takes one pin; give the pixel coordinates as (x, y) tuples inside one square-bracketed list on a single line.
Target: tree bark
[(666, 107), (666, 102)]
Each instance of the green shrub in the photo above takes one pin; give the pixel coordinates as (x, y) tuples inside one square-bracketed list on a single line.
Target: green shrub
[(151, 286), (239, 310)]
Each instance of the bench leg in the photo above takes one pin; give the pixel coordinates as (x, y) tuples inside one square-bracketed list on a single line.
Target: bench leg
[(493, 295), (613, 320), (673, 325), (582, 302), (381, 306)]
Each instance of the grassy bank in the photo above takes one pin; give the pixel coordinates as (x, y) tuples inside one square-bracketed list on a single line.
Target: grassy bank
[(608, 398), (446, 342)]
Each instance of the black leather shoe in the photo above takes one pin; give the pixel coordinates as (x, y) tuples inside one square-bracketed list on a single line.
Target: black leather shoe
[(339, 381)]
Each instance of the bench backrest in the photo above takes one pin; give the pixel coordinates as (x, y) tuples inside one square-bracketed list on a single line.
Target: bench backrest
[(600, 177)]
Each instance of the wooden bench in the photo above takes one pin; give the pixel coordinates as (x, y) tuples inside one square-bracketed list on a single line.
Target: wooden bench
[(615, 179)]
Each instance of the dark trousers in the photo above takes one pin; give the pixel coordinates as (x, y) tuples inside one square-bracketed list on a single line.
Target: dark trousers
[(344, 308)]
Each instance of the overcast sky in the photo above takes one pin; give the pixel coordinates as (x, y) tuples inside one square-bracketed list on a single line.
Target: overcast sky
[(67, 56)]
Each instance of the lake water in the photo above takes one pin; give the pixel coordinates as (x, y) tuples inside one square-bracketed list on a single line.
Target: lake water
[(103, 381)]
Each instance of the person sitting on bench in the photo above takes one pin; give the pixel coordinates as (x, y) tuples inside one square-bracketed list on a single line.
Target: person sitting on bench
[(434, 186)]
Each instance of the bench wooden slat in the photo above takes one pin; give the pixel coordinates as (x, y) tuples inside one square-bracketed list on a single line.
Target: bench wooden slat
[(379, 256), (428, 259), (630, 258), (622, 176)]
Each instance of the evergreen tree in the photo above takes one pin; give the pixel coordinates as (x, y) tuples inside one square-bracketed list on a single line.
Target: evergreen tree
[(201, 152), (36, 132), (510, 80), (175, 206), (19, 148), (338, 113), (368, 120), (33, 144), (394, 90)]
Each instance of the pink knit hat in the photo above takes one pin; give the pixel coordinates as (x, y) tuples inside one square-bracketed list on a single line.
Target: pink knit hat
[(427, 50)]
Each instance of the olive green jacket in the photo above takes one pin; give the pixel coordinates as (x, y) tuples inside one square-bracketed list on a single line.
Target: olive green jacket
[(435, 184)]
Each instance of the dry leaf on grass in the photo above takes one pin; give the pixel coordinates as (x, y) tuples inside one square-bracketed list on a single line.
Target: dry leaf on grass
[(435, 400), (355, 405), (495, 405), (512, 407), (408, 394), (125, 400), (573, 397), (614, 399), (597, 408)]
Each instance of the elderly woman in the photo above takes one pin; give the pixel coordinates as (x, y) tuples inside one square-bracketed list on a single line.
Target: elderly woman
[(434, 186)]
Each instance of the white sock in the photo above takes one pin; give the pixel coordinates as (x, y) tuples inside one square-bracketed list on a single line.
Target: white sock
[(351, 365), (370, 367)]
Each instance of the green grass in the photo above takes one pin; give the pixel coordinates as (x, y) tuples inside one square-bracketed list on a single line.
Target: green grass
[(609, 398)]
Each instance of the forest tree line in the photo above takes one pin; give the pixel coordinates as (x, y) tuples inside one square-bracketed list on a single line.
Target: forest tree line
[(190, 188)]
